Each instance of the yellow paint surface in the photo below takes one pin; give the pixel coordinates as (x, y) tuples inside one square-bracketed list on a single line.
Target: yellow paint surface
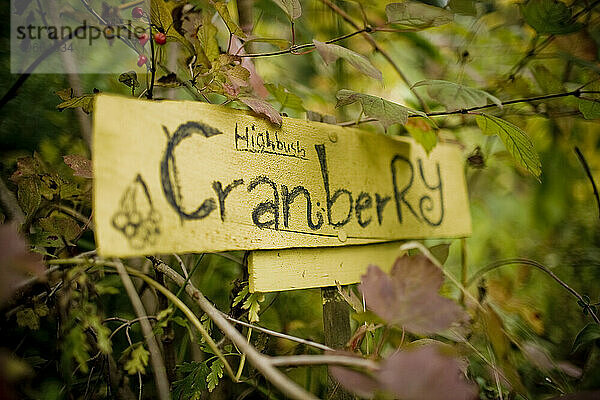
[(159, 167), (275, 270)]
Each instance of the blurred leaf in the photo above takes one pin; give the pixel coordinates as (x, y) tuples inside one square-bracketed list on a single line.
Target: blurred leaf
[(86, 102), (589, 334), (223, 11), (216, 372), (409, 296), (425, 373), (466, 7), (417, 15), (280, 43), (26, 317), (193, 383), (160, 14), (260, 106), (423, 134), (65, 94), (331, 52), (60, 225), (590, 108), (17, 263), (207, 36), (80, 165), (129, 79), (384, 111), (26, 167), (440, 252), (138, 360), (29, 195), (75, 346), (285, 98), (518, 144), (549, 17), (455, 96), (359, 383), (292, 8)]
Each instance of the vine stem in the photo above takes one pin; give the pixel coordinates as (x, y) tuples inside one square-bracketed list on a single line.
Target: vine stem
[(588, 172), (524, 261)]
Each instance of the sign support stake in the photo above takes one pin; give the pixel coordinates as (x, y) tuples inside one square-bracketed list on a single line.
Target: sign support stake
[(336, 329)]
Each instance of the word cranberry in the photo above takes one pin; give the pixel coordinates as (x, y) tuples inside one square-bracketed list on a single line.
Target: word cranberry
[(137, 12), (142, 60), (160, 38)]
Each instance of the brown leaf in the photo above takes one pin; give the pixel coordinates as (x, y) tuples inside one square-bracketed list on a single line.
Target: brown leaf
[(17, 263), (361, 384), (425, 373), (262, 107), (80, 165), (409, 296)]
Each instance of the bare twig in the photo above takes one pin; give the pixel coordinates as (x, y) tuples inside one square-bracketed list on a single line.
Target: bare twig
[(586, 167), (158, 366), (328, 359)]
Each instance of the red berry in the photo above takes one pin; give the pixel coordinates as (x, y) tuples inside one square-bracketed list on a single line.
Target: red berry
[(137, 12), (143, 38), (160, 38), (142, 60)]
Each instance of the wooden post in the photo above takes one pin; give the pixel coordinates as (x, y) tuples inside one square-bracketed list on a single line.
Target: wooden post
[(336, 329)]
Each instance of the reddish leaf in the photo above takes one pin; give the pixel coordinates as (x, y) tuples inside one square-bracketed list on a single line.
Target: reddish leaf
[(262, 107), (425, 373), (409, 296), (361, 384), (17, 263), (80, 165)]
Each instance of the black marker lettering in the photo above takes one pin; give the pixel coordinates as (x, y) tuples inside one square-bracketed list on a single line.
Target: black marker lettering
[(400, 193), (266, 207), (363, 202), (332, 199), (381, 202), (426, 202), (288, 198), (222, 194)]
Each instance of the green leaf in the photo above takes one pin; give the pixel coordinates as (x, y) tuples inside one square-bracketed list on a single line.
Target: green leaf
[(60, 225), (590, 108), (589, 334), (27, 317), (29, 195), (216, 372), (386, 112), (292, 8), (417, 15), (75, 346), (241, 296), (223, 11), (518, 144), (86, 102), (455, 96), (252, 304), (138, 360), (425, 137), (549, 17), (285, 98), (206, 35), (129, 79), (193, 383), (466, 7), (331, 52)]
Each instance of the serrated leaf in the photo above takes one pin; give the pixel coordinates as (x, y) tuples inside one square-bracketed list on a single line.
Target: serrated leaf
[(61, 225), (409, 296), (549, 17), (252, 304), (138, 360), (75, 346), (29, 195), (292, 8), (65, 94), (80, 165), (216, 372), (193, 383), (285, 98), (223, 11), (41, 309), (385, 111), (455, 96), (423, 134), (589, 334), (129, 79), (417, 15), (240, 296), (331, 52), (26, 317), (518, 144), (260, 106)]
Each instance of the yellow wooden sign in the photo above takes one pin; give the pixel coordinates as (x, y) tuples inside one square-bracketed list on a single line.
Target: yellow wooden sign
[(286, 269), (176, 176)]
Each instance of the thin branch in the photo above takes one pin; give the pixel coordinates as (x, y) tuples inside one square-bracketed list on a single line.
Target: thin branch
[(524, 261), (158, 366), (279, 334), (328, 359), (586, 167), (377, 48), (294, 49)]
